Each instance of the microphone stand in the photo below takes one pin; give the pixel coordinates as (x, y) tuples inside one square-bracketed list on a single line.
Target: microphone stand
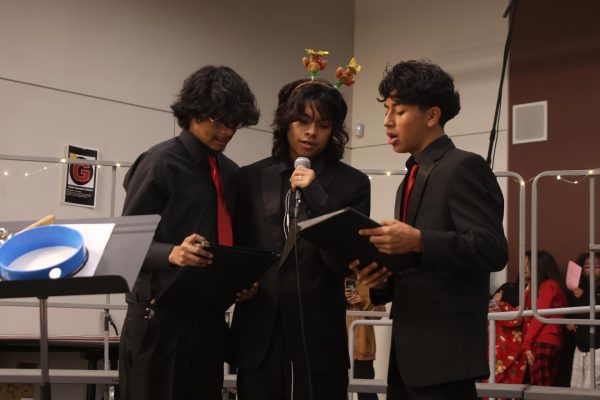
[(511, 7), (300, 307), (508, 8), (296, 208)]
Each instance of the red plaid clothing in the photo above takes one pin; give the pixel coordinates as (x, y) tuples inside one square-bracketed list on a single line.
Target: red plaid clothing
[(544, 369), (544, 340), (550, 295)]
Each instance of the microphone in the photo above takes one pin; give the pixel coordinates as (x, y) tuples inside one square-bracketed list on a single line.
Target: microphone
[(300, 162)]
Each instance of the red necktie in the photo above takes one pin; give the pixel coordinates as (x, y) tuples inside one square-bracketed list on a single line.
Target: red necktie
[(409, 185), (223, 219)]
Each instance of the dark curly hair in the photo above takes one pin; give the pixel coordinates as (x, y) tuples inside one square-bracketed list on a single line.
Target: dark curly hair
[(219, 93), (423, 84), (327, 100)]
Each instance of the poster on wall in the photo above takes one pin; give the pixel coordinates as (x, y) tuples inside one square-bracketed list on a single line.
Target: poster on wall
[(80, 185)]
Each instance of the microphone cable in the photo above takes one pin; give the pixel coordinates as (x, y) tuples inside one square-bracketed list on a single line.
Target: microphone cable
[(286, 215)]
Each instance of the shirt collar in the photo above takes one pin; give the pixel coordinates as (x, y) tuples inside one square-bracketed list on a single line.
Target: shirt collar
[(195, 147), (433, 151)]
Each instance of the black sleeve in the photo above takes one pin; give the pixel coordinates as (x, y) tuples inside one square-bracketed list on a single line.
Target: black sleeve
[(147, 194), (143, 187), (476, 206)]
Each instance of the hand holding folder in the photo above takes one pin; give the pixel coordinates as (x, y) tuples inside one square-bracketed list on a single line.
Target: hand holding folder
[(233, 269), (337, 232)]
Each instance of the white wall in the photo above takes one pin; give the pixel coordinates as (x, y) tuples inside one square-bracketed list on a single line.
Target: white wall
[(139, 52), (466, 38)]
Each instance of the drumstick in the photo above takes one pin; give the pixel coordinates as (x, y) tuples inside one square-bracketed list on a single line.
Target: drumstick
[(47, 220)]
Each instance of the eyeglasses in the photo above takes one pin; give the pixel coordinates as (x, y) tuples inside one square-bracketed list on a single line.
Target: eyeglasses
[(220, 125)]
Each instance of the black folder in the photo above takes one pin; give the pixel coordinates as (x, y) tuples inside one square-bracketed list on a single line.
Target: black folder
[(233, 269), (337, 232)]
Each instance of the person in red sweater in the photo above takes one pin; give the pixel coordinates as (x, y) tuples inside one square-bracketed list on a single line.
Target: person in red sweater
[(511, 362), (542, 342)]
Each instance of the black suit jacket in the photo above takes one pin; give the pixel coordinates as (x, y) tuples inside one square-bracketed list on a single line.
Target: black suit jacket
[(440, 310), (258, 223)]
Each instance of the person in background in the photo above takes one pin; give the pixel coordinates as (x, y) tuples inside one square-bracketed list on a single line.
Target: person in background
[(448, 234), (176, 351), (299, 310), (581, 375), (358, 299), (511, 363), (543, 342)]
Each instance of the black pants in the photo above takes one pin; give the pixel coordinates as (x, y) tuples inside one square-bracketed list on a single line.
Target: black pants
[(275, 378), (363, 369), (397, 389), (176, 355)]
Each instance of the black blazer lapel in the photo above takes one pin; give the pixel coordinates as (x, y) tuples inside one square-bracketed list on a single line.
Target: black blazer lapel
[(397, 206), (271, 199), (325, 177), (416, 194), (427, 161)]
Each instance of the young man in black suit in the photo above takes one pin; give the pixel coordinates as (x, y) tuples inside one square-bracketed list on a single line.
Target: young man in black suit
[(271, 337), (449, 211), (176, 350)]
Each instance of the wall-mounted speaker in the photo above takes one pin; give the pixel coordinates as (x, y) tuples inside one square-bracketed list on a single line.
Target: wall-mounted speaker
[(530, 122)]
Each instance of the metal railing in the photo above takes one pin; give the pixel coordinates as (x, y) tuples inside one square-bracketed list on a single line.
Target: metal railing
[(488, 389), (534, 312), (592, 247)]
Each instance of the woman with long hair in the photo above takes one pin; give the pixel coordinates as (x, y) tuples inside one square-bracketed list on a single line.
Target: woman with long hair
[(581, 376), (543, 342)]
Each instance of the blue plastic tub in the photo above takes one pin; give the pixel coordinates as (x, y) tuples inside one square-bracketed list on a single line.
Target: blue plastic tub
[(62, 253)]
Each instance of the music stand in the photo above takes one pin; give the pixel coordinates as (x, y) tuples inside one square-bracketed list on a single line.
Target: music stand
[(116, 273)]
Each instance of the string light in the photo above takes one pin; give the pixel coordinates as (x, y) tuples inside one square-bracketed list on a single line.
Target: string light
[(386, 173), (560, 178), (62, 161), (31, 173)]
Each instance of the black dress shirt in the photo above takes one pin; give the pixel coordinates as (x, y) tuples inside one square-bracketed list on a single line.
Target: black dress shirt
[(173, 179)]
